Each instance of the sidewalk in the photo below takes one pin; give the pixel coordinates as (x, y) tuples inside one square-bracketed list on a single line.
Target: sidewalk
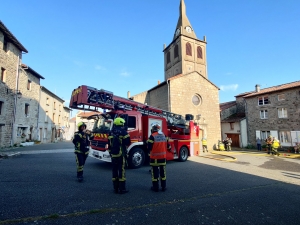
[(61, 146), (256, 152)]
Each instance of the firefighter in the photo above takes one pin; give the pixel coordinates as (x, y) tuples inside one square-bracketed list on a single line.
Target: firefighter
[(118, 141), (275, 146), (269, 142), (228, 145), (157, 146), (81, 141), (204, 145)]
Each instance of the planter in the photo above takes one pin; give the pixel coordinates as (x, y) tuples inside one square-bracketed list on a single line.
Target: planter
[(27, 143)]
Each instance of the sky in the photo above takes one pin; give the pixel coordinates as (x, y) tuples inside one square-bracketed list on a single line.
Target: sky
[(117, 45)]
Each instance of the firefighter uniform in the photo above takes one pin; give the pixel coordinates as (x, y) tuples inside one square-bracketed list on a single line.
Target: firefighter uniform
[(275, 146), (157, 145), (119, 157), (81, 141), (204, 145), (269, 142)]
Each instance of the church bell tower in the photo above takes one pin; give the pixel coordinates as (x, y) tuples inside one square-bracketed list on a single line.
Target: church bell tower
[(185, 54)]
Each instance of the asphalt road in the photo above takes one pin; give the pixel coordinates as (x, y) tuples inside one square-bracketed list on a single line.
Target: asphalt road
[(253, 189)]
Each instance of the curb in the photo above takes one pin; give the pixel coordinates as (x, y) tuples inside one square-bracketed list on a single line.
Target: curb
[(5, 156)]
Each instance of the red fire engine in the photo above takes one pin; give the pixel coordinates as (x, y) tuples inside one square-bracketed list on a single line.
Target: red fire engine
[(183, 134)]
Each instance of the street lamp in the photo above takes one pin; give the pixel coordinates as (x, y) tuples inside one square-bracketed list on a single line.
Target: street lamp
[(19, 94)]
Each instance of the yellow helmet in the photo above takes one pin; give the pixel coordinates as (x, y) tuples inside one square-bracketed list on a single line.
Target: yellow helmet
[(119, 121), (81, 124)]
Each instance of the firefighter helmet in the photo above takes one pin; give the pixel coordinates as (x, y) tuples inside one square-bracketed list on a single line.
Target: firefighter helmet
[(81, 124), (119, 121), (155, 127)]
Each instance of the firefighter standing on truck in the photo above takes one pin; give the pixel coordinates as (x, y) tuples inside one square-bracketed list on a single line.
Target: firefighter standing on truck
[(82, 142), (118, 141), (157, 145)]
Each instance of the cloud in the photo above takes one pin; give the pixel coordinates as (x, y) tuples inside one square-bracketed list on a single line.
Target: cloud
[(100, 68), (78, 63), (231, 87), (125, 74)]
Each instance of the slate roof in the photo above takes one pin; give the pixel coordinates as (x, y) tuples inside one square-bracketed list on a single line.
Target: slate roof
[(227, 105), (234, 118), (11, 38)]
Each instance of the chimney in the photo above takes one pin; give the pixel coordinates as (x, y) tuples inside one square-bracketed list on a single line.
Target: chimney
[(257, 88), (158, 82), (128, 94), (164, 46), (204, 38)]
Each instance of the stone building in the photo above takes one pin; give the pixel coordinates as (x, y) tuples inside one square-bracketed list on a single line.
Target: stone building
[(274, 111), (10, 58), (271, 111), (186, 88), (52, 116), (27, 105)]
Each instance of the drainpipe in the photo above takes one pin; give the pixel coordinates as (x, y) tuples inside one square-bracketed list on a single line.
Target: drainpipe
[(169, 96), (12, 142), (38, 116)]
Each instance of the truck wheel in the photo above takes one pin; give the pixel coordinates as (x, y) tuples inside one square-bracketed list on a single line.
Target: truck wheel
[(136, 158), (183, 154)]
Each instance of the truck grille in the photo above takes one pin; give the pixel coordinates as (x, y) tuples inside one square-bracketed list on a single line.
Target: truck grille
[(99, 144)]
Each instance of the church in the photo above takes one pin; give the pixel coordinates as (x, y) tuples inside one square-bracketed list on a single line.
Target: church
[(186, 88)]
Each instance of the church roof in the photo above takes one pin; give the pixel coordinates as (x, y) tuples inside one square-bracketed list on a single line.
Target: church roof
[(183, 25), (226, 105)]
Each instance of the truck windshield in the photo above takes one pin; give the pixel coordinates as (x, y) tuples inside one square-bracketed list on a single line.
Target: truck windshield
[(102, 125)]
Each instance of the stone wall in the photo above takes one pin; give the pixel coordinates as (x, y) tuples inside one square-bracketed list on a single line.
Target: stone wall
[(9, 61), (273, 123)]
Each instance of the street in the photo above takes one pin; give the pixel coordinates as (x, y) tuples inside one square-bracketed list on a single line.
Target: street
[(41, 188)]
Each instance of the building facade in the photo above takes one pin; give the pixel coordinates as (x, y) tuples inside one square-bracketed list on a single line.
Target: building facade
[(186, 88), (274, 111), (53, 117), (10, 60)]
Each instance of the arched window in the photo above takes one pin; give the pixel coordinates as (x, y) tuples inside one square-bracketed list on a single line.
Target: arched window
[(188, 49), (176, 51), (199, 52), (168, 57)]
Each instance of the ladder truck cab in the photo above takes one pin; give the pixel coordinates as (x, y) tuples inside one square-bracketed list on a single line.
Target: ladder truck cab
[(183, 134)]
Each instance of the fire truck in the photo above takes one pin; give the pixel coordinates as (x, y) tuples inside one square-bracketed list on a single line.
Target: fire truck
[(182, 133)]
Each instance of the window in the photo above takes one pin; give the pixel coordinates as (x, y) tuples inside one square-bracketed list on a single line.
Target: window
[(199, 53), (196, 99), (58, 119), (54, 105), (285, 137), (264, 114), (231, 126), (282, 113), (29, 85), (265, 134), (176, 53), (45, 133), (3, 74), (59, 107), (188, 49), (131, 122), (46, 116), (26, 109), (281, 97), (47, 101), (168, 57), (53, 117), (263, 100), (1, 106)]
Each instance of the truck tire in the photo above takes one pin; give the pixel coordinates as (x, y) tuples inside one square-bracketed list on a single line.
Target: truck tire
[(136, 158), (183, 154)]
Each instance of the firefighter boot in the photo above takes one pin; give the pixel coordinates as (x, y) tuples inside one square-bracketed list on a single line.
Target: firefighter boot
[(163, 185), (122, 187), (154, 186), (116, 186)]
